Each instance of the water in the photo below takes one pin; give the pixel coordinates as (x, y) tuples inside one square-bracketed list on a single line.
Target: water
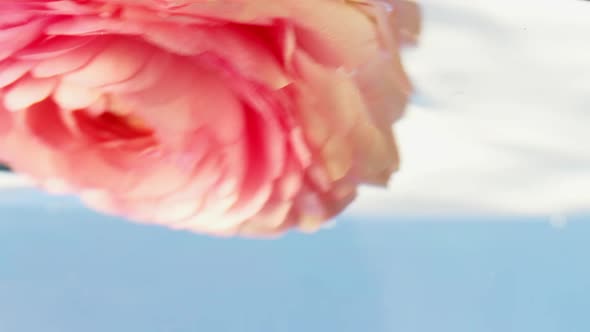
[(63, 268)]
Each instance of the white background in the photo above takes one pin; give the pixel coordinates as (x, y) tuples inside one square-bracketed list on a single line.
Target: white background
[(500, 123)]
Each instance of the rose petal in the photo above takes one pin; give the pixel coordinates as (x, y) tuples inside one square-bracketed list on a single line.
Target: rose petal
[(187, 98), (28, 91), (5, 121), (53, 47), (12, 70), (72, 96), (15, 38), (45, 122), (119, 61), (70, 61)]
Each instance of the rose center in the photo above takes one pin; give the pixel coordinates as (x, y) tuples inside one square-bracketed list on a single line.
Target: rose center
[(110, 126)]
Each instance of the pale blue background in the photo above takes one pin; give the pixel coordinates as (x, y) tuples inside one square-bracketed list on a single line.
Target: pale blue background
[(63, 268)]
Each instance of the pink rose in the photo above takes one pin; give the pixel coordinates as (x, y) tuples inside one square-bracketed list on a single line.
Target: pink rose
[(226, 117)]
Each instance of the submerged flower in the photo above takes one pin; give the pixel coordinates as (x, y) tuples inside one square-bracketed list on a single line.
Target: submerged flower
[(228, 117)]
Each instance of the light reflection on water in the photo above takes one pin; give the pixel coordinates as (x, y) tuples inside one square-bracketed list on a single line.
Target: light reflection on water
[(66, 269)]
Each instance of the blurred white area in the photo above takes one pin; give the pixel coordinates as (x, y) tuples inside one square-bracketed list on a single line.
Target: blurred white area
[(501, 120), (9, 180)]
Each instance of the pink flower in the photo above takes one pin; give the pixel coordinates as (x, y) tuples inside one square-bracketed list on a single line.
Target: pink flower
[(226, 117)]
